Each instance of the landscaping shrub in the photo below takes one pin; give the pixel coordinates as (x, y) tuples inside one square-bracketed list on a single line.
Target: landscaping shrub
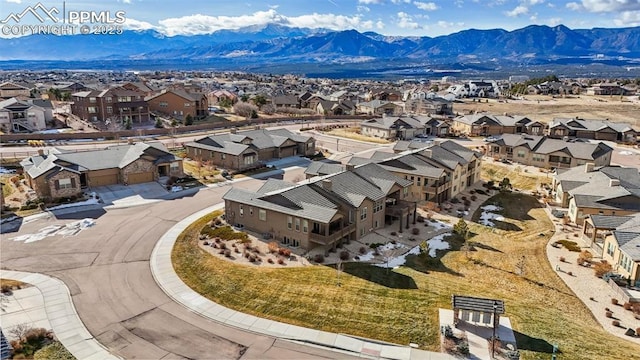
[(319, 258), (273, 247), (463, 198), (223, 245), (420, 219), (638, 331), (221, 252), (614, 301), (481, 192), (615, 323), (474, 198), (454, 201), (344, 255), (602, 268), (415, 231), (236, 250), (227, 253), (463, 348), (206, 243), (362, 250), (467, 203), (270, 261), (562, 259), (570, 245), (224, 233), (393, 233), (608, 314), (627, 306), (280, 261), (584, 257)]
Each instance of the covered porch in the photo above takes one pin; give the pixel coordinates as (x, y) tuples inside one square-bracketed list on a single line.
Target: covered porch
[(596, 228), (404, 212), (332, 233)]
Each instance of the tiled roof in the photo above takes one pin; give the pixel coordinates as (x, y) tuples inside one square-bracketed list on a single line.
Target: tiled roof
[(609, 221)]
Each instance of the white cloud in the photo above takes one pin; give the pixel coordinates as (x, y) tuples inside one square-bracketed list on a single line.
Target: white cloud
[(573, 6), (519, 10), (204, 24), (368, 2), (379, 25), (126, 1), (628, 18), (536, 2), (400, 1), (14, 1), (362, 9), (554, 21), (603, 6), (405, 21), (430, 6), (133, 24), (534, 17)]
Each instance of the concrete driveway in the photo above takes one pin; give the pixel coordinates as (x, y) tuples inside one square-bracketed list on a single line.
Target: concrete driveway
[(137, 193)]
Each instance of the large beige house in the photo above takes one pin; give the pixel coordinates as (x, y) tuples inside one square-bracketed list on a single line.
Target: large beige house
[(324, 210), (589, 190), (483, 124), (438, 171), (548, 153)]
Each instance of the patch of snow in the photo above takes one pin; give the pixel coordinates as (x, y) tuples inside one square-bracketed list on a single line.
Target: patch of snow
[(626, 152), (440, 225), (69, 229), (395, 262), (176, 188), (488, 215), (366, 257), (438, 243), (4, 170), (390, 246), (91, 201)]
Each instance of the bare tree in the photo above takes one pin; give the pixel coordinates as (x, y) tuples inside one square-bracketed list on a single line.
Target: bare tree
[(19, 331), (245, 109)]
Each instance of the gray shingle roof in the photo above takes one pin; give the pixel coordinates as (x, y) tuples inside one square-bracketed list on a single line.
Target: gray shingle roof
[(274, 185), (321, 168), (609, 221)]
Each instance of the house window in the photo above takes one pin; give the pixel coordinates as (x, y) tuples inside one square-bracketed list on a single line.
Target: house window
[(65, 183), (405, 191), (376, 224), (92, 110), (262, 214), (250, 211), (286, 240), (163, 104), (223, 156), (610, 249), (241, 210), (289, 222), (295, 243), (361, 231), (538, 157), (378, 206), (305, 226), (521, 153), (109, 99), (363, 213), (297, 224), (187, 104), (92, 100), (174, 166)]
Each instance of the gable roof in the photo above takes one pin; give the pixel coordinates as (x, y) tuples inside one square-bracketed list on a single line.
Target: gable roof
[(546, 145), (590, 125), (238, 143)]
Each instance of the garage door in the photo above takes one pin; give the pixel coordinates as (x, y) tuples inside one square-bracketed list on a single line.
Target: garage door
[(103, 180), (140, 178)]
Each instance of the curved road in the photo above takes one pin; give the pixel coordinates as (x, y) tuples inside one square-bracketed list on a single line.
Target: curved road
[(106, 268)]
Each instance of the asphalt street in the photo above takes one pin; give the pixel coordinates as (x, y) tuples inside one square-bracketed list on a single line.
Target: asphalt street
[(106, 268)]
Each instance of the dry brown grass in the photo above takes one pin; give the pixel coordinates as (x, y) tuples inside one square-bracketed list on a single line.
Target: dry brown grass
[(14, 284), (401, 305), (519, 179), (354, 133), (545, 108)]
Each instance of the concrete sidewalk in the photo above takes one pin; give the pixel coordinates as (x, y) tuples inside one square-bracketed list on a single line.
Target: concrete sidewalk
[(175, 288), (61, 314)]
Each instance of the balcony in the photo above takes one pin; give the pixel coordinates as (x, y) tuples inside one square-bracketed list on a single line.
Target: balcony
[(334, 235)]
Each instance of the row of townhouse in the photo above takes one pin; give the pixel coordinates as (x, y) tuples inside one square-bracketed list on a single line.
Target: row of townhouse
[(438, 172), (238, 151), (605, 201), (325, 210), (136, 102), (592, 190), (484, 124), (545, 152)]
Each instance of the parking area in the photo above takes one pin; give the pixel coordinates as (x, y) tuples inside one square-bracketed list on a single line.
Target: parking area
[(119, 194)]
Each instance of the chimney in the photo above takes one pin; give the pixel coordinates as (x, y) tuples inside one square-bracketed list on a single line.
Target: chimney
[(427, 153), (41, 152), (326, 184), (350, 167), (131, 141), (234, 130), (588, 167), (614, 182)]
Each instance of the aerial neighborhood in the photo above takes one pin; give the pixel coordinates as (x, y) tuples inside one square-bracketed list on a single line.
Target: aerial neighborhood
[(442, 194)]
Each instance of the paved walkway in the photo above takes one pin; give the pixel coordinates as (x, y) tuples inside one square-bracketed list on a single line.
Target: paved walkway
[(59, 312), (585, 285), (172, 285)]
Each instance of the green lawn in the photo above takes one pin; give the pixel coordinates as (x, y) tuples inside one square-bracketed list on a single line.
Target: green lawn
[(401, 305)]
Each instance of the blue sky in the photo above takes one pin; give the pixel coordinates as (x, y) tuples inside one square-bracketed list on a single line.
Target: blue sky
[(389, 17)]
